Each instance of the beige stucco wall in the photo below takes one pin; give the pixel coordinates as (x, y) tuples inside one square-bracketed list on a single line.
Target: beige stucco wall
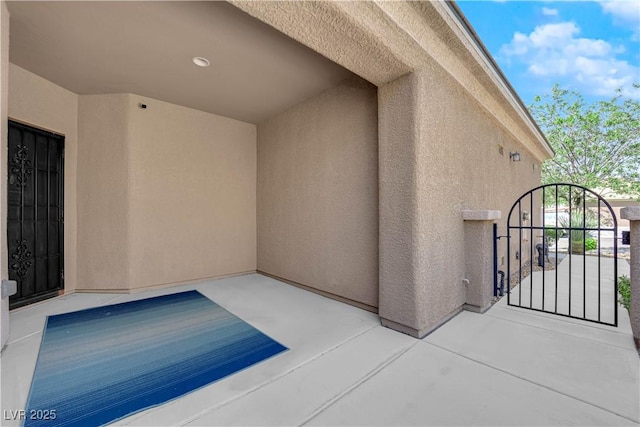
[(318, 193), (443, 114), (154, 196), (103, 184), (167, 194), (192, 194), (40, 103), (4, 88), (444, 110), (439, 155), (616, 205)]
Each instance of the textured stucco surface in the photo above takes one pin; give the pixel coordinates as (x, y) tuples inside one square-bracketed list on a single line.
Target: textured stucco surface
[(632, 214), (480, 215), (192, 194), (103, 208), (382, 41), (479, 257), (439, 155), (478, 254), (4, 86), (167, 194), (318, 193), (446, 124), (337, 30), (40, 103), (400, 296)]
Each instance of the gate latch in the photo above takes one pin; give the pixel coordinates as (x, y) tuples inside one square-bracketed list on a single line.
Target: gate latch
[(626, 237)]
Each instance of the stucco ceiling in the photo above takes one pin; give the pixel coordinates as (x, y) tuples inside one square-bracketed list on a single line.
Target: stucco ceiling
[(146, 48)]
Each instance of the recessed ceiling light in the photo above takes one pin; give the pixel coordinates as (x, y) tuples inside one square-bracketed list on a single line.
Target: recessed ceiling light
[(201, 62)]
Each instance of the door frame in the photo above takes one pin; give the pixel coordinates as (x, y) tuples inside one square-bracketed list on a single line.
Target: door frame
[(61, 192)]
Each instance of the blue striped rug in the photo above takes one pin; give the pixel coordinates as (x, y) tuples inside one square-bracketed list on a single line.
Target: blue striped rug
[(99, 365)]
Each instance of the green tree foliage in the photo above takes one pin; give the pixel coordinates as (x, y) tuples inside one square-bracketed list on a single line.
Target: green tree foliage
[(597, 145)]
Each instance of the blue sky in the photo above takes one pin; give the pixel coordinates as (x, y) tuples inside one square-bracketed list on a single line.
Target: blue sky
[(589, 46)]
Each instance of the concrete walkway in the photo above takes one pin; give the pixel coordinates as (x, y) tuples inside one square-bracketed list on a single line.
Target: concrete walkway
[(580, 286), (505, 367)]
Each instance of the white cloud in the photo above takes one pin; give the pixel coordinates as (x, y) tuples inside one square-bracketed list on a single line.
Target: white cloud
[(556, 51), (549, 11), (551, 34), (625, 13), (625, 10), (589, 47)]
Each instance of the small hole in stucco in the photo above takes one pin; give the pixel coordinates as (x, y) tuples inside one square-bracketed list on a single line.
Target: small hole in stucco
[(501, 150)]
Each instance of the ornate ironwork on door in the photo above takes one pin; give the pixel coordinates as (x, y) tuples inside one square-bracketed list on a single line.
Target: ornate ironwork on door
[(20, 167), (562, 253), (21, 259), (35, 213)]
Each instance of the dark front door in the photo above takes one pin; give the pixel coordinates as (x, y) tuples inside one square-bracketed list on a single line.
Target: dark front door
[(35, 213)]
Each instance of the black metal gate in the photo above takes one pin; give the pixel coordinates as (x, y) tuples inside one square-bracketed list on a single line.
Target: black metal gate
[(35, 213), (562, 253)]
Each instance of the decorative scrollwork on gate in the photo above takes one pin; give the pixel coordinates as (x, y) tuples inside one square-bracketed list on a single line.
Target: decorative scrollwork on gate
[(20, 167), (21, 259)]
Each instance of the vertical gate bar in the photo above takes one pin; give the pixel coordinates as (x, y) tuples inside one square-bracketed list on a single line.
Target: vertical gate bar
[(615, 269), (508, 260), (584, 253), (557, 243), (599, 237), (570, 247), (519, 253), (544, 244), (531, 268), (495, 259)]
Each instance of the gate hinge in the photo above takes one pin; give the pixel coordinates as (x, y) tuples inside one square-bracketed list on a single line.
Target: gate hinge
[(61, 274)]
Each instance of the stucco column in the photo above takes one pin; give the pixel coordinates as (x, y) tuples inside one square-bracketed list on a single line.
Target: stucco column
[(421, 247), (632, 213), (478, 244), (399, 297)]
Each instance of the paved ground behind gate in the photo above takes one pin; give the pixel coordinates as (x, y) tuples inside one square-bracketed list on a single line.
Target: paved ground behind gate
[(580, 286)]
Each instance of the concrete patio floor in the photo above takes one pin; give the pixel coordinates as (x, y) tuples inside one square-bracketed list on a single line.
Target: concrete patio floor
[(508, 366)]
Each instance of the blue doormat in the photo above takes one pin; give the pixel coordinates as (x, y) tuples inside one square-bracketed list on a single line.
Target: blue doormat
[(102, 364)]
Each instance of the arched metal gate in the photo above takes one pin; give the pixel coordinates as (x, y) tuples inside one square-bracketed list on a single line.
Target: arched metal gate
[(561, 254)]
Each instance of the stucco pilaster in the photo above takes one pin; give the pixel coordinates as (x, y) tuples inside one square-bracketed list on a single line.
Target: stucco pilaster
[(478, 244), (632, 213), (399, 299), (421, 235)]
